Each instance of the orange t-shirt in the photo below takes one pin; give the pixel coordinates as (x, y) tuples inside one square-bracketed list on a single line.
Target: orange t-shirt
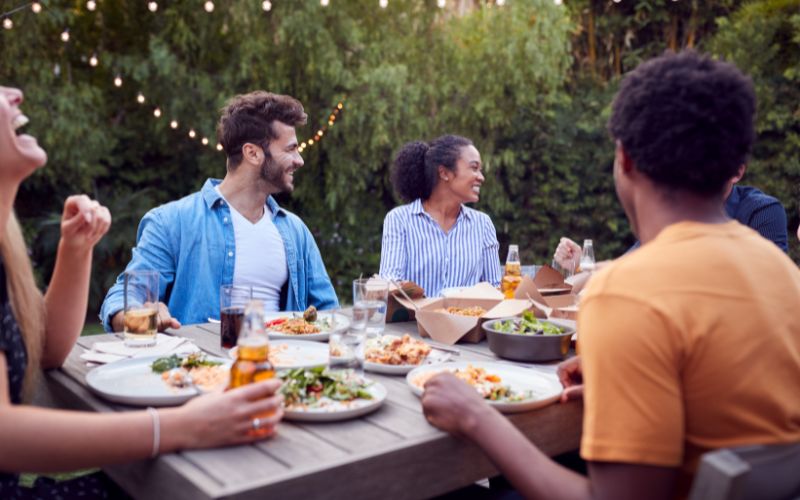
[(688, 344)]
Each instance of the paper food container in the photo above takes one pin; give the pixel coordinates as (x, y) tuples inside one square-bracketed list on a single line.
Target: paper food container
[(564, 306), (434, 322), (551, 282), (399, 308)]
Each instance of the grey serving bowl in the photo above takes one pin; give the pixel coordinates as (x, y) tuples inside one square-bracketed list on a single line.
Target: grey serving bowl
[(527, 347)]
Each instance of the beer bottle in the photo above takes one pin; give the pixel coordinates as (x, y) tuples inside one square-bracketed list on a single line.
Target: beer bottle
[(512, 276), (252, 359)]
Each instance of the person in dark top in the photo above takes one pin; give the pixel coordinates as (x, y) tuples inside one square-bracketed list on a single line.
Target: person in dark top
[(761, 212), (748, 205), (39, 331)]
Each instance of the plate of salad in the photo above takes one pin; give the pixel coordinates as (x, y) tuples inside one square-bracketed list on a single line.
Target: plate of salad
[(323, 395), (159, 381), (508, 388)]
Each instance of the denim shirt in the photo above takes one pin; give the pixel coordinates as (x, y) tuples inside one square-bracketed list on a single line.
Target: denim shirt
[(190, 242)]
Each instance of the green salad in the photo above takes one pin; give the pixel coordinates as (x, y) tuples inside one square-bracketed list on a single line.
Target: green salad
[(529, 325), (193, 360), (316, 386)]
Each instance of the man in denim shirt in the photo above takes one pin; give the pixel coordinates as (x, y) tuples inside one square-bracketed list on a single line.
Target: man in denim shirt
[(232, 231)]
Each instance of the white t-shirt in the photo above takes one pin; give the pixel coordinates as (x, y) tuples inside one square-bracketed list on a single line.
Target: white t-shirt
[(260, 259)]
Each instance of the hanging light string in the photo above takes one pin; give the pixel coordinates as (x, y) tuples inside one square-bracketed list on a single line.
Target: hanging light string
[(324, 128)]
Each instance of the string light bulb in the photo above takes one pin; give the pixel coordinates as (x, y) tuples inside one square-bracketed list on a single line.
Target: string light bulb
[(65, 35), (266, 5), (339, 106), (140, 98), (204, 140), (36, 7), (557, 2), (441, 3), (219, 147), (91, 5), (383, 3), (209, 6), (324, 3), (173, 124), (8, 23), (118, 81), (152, 6), (93, 60), (157, 112), (192, 133), (503, 2)]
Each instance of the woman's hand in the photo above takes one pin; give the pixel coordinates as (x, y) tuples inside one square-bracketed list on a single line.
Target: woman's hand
[(226, 418), (83, 222)]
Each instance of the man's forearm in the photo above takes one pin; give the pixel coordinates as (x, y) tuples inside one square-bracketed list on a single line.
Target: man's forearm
[(531, 472)]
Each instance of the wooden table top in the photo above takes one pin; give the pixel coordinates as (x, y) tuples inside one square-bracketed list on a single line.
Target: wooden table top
[(393, 452)]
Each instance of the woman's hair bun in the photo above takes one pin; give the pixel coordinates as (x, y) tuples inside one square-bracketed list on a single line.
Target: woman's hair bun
[(408, 172)]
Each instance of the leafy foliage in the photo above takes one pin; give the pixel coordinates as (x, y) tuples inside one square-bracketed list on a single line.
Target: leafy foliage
[(530, 83)]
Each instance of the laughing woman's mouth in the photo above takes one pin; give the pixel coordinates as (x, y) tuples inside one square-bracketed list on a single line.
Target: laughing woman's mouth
[(18, 122)]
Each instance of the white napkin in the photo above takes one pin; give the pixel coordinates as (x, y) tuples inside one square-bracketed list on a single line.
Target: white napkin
[(108, 352)]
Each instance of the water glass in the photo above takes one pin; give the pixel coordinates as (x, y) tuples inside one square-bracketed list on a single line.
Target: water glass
[(370, 296), (140, 308), (346, 351), (232, 301), (587, 256), (567, 272)]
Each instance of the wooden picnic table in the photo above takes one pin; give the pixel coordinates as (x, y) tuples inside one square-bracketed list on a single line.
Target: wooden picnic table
[(393, 452)]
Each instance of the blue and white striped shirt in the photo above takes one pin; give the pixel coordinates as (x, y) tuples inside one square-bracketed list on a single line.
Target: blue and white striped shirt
[(415, 248)]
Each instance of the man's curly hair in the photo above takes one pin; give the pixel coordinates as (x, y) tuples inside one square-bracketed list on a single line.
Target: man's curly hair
[(686, 121), (248, 118)]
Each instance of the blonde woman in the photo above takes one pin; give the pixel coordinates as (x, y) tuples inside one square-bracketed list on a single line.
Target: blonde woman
[(38, 331)]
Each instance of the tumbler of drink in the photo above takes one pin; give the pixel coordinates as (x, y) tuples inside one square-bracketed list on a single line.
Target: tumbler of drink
[(233, 300), (141, 308), (346, 351), (370, 296)]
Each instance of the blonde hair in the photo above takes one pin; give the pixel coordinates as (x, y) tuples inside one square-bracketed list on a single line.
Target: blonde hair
[(26, 299)]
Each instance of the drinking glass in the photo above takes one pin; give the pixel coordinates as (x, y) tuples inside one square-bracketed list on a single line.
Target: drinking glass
[(587, 256), (370, 296), (346, 351), (567, 272), (140, 308), (232, 301)]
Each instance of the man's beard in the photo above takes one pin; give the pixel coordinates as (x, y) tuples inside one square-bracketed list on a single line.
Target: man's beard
[(273, 174)]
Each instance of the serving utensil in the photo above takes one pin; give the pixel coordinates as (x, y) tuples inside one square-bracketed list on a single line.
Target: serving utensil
[(403, 293)]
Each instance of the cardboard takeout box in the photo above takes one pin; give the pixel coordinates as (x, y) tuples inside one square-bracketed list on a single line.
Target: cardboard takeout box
[(563, 306), (434, 322), (399, 308)]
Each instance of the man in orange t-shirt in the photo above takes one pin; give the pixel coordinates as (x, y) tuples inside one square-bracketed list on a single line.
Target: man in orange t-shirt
[(689, 344)]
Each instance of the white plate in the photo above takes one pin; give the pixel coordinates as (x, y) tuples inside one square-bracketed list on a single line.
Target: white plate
[(289, 354), (546, 388), (341, 324), (133, 382), (435, 357), (340, 410)]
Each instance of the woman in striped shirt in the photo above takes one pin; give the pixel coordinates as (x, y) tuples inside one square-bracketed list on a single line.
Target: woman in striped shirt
[(434, 240)]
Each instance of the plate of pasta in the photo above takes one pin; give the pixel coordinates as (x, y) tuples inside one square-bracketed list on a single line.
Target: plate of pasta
[(394, 355), (508, 388), (302, 326)]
